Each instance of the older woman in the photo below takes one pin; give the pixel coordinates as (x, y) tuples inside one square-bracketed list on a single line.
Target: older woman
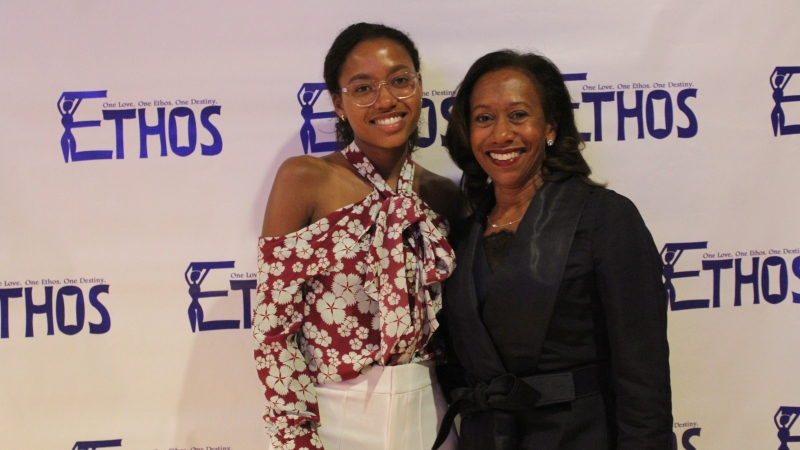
[(351, 262), (557, 311)]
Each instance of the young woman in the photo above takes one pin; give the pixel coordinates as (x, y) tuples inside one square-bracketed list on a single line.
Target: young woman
[(350, 264)]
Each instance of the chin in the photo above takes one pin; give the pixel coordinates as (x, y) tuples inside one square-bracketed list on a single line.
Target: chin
[(390, 143)]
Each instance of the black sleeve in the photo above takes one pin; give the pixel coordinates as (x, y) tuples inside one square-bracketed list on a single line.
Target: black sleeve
[(450, 373), (459, 230), (631, 290)]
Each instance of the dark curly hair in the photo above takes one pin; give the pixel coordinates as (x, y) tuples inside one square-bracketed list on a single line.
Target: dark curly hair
[(561, 160), (344, 43)]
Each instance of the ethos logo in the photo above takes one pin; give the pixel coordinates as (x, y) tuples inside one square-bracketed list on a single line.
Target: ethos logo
[(765, 272), (784, 420), (307, 96), (318, 134), (651, 106), (69, 305), (779, 79), (682, 434), (94, 445), (195, 274), (153, 120)]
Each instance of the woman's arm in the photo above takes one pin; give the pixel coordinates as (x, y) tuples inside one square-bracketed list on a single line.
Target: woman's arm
[(291, 414), (628, 269)]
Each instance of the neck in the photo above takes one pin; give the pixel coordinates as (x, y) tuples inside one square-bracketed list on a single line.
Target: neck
[(388, 162), (514, 200)]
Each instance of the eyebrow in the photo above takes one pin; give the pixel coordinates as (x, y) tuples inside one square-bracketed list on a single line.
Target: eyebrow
[(481, 105), (363, 76)]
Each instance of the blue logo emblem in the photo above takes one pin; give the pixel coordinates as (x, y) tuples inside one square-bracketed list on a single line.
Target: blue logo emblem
[(784, 419), (765, 271), (307, 96), (94, 445), (688, 433), (67, 105), (57, 300), (165, 127), (670, 255), (779, 79), (651, 102), (195, 274)]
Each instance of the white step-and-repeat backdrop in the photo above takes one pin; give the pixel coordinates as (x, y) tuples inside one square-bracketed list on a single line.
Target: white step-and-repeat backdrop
[(139, 140)]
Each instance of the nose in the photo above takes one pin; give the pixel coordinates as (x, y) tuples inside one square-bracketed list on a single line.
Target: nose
[(503, 131), (385, 98)]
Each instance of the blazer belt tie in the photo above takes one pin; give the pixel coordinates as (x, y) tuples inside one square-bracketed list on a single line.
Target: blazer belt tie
[(510, 393)]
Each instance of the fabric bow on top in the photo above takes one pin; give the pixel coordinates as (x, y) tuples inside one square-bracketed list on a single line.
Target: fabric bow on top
[(408, 257)]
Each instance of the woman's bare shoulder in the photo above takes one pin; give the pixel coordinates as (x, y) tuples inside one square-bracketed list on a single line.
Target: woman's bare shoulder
[(310, 174), (294, 195), (302, 168)]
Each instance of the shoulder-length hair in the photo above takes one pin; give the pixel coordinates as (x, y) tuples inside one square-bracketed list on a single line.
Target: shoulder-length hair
[(561, 160)]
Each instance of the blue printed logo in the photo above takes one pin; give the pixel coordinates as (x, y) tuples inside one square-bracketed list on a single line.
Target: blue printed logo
[(659, 121), (67, 105), (768, 277), (686, 431), (68, 289), (779, 79), (784, 419), (195, 274), (309, 94), (94, 445), (670, 255), (165, 127)]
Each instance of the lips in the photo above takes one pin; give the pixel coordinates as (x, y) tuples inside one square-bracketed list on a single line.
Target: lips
[(389, 119), (506, 156)]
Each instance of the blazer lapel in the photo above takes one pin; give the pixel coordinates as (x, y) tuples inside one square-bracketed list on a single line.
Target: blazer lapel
[(523, 291), (471, 341)]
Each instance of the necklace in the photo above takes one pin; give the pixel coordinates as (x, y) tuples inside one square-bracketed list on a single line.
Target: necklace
[(504, 224)]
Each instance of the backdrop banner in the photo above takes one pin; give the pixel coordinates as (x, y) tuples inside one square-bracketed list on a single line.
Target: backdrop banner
[(140, 141)]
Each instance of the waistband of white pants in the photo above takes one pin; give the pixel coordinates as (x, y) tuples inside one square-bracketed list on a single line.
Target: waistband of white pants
[(389, 379)]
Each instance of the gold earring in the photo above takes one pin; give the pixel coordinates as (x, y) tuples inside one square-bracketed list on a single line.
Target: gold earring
[(344, 119)]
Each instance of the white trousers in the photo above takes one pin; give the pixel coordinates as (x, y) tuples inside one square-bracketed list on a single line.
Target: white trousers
[(391, 408)]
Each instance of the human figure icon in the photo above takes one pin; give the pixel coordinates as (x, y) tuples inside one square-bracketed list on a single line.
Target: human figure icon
[(67, 105), (307, 96), (784, 419), (307, 99), (779, 79), (670, 255), (194, 275), (194, 278)]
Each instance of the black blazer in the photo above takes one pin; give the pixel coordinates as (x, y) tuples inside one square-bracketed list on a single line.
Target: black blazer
[(580, 286)]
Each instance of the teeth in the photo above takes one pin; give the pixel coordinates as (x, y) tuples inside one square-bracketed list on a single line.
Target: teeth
[(389, 120), (503, 156)]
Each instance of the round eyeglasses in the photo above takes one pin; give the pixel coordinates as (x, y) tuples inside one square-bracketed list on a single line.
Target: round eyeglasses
[(365, 92)]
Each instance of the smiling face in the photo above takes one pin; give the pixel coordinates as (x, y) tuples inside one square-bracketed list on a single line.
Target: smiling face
[(508, 130), (389, 122)]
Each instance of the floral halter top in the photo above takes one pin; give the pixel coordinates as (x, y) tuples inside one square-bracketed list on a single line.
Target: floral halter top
[(359, 287)]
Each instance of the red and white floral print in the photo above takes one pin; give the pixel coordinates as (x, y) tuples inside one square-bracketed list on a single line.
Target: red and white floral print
[(359, 287)]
